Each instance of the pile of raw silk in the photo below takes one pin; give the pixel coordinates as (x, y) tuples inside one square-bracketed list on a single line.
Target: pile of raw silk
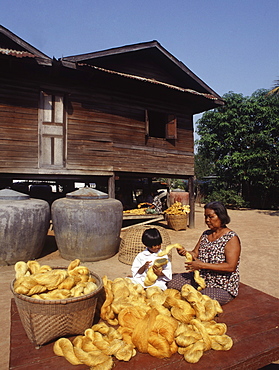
[(152, 321)]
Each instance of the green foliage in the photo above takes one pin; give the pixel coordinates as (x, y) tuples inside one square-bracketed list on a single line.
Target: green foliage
[(239, 142), (179, 184), (229, 198), (202, 166), (175, 183)]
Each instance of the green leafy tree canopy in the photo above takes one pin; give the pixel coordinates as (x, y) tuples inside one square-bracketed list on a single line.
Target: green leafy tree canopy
[(239, 142)]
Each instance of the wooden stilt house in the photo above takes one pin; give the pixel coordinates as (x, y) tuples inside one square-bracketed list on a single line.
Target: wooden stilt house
[(104, 117)]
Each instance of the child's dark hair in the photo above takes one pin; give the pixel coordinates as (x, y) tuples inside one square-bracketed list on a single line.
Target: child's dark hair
[(151, 237)]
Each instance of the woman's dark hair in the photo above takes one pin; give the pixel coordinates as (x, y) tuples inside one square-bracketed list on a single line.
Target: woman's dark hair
[(151, 237), (220, 210)]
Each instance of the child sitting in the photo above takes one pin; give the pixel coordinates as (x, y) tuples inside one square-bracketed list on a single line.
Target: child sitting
[(152, 239)]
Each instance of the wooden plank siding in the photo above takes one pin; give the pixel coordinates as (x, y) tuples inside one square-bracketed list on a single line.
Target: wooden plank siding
[(105, 132), (19, 128), (113, 136)]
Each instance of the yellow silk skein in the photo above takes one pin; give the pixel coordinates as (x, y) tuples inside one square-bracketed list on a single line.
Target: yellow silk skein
[(184, 325), (43, 282), (151, 277), (198, 279)]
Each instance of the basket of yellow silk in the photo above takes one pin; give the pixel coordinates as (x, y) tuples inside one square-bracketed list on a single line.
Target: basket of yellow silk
[(55, 302), (177, 216)]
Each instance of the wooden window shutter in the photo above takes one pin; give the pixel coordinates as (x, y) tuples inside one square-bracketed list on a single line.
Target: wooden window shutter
[(58, 109), (51, 130), (171, 127), (47, 107)]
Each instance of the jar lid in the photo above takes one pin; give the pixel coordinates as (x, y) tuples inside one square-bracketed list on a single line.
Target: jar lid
[(9, 194), (87, 193)]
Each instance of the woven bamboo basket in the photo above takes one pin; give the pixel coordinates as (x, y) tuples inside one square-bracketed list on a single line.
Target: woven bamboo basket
[(46, 320), (177, 222), (131, 243)]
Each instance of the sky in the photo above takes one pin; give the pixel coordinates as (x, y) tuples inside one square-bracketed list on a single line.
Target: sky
[(232, 45)]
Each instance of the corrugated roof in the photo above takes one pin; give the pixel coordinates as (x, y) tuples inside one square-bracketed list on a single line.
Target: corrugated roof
[(149, 80), (17, 53)]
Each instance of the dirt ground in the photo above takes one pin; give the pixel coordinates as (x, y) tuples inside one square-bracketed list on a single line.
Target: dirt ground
[(259, 234), (258, 231)]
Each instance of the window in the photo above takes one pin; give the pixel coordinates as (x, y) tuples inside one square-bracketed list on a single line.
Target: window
[(160, 125), (52, 119)]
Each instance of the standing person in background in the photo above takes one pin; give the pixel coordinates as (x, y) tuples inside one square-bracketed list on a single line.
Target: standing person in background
[(153, 202), (216, 255), (157, 204), (145, 197)]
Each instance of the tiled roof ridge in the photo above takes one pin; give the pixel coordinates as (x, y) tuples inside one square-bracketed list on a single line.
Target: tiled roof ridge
[(16, 53), (151, 80)]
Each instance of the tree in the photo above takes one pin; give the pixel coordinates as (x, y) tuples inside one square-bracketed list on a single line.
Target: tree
[(240, 143), (275, 90)]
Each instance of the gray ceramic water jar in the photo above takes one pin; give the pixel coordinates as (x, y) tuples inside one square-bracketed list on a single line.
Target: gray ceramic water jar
[(87, 225), (24, 223)]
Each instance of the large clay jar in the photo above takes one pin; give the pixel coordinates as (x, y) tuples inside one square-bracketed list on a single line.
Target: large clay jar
[(87, 225), (24, 223), (179, 196)]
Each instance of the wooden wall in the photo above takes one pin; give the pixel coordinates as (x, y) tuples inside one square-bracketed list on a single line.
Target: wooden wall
[(18, 129), (105, 133), (112, 135)]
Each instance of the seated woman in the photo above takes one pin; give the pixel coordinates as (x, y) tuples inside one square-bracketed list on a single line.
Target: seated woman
[(216, 255)]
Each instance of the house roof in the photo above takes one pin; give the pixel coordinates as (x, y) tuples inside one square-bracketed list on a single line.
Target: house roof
[(16, 53), (12, 45), (124, 59), (146, 63), (152, 81), (196, 102)]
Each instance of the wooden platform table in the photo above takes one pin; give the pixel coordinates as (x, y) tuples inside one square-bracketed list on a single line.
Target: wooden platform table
[(252, 320)]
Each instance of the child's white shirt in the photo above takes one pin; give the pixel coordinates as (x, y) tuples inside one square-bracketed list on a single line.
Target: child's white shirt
[(140, 260)]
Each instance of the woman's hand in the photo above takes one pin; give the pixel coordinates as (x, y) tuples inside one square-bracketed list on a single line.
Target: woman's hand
[(196, 264), (232, 253), (182, 252)]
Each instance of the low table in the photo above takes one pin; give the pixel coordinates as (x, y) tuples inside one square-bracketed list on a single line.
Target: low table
[(141, 219), (252, 320)]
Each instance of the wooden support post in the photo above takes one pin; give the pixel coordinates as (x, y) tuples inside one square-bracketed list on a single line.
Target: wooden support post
[(111, 186), (191, 202), (149, 180)]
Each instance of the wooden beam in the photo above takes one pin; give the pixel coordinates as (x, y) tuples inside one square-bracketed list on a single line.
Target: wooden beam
[(154, 219), (191, 202), (111, 186)]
